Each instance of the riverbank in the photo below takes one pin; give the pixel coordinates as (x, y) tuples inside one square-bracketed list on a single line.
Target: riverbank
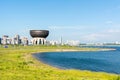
[(17, 63), (69, 50)]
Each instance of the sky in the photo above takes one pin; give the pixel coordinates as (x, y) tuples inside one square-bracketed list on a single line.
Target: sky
[(89, 21)]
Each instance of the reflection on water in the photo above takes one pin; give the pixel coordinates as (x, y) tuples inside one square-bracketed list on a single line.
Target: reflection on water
[(106, 61)]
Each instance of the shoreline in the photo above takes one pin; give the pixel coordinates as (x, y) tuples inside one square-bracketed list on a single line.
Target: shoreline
[(22, 65), (72, 50)]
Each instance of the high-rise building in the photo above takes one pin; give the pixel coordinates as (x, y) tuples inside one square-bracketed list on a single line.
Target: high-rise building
[(72, 42), (54, 43), (17, 39), (24, 41), (5, 39), (9, 40)]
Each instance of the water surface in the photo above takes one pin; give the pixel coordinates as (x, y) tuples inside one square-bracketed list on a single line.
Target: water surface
[(105, 61)]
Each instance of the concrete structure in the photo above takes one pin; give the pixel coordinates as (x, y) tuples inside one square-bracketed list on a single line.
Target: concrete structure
[(72, 43), (5, 39), (54, 43), (24, 41), (17, 39), (39, 36)]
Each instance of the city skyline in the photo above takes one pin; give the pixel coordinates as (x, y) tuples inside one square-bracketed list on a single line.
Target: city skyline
[(87, 21), (16, 40), (36, 40)]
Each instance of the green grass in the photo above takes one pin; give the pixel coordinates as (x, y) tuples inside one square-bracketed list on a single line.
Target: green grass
[(17, 63)]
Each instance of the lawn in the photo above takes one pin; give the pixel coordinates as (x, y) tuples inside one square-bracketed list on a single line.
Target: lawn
[(17, 63)]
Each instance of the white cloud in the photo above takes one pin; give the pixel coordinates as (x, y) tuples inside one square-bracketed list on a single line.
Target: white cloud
[(65, 27), (109, 22), (114, 31), (87, 34), (108, 35)]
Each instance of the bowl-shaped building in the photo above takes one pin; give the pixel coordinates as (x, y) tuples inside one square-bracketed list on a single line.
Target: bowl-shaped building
[(39, 33)]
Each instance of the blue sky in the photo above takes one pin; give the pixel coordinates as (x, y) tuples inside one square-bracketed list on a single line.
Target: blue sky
[(83, 20)]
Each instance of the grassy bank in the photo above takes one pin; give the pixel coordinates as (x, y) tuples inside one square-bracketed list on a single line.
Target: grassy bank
[(17, 63)]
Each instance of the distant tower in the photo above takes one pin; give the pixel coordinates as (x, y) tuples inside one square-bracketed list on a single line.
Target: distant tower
[(39, 36), (61, 41)]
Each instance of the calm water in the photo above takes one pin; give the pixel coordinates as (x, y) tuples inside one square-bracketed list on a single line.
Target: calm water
[(105, 61)]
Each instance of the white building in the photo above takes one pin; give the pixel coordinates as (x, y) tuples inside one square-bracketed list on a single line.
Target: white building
[(5, 39), (54, 42), (17, 39), (38, 41), (72, 42), (24, 41)]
